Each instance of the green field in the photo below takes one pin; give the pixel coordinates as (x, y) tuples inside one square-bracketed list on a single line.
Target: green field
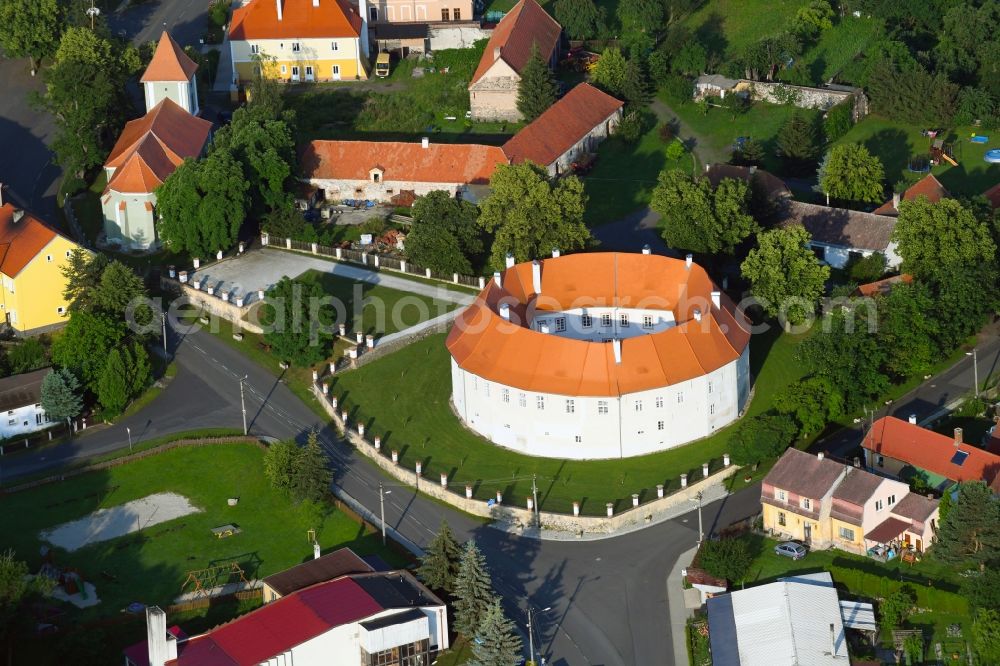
[(835, 49), (404, 398), (895, 143), (727, 26)]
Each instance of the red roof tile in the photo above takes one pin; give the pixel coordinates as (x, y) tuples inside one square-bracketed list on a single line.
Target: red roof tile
[(562, 126), (438, 163), (258, 19), (523, 26), (882, 287), (993, 195), (932, 452), (169, 62), (928, 186), (804, 474), (21, 241), (887, 530)]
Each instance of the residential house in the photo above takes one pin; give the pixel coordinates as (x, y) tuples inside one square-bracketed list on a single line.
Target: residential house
[(371, 619), (714, 85), (494, 85), (882, 287), (572, 127), (839, 234), (420, 11), (794, 621), (828, 504), (902, 449), (150, 148), (341, 562), (381, 170), (300, 40), (20, 398), (32, 255), (770, 186), (928, 187)]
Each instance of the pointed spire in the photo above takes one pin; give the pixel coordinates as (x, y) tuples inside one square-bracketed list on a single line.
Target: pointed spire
[(169, 62)]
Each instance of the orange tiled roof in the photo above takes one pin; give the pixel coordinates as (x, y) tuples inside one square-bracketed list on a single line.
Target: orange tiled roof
[(562, 126), (258, 19), (928, 186), (169, 62), (151, 147), (21, 241), (438, 163), (524, 25), (483, 343), (883, 286)]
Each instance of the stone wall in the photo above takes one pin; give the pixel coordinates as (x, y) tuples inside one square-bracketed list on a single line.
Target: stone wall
[(804, 97), (512, 516), (213, 304)]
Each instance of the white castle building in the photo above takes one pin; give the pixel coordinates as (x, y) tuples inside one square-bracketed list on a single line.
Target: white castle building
[(599, 355)]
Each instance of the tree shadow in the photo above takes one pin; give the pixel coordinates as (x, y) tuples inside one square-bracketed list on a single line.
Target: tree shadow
[(712, 35), (893, 148)]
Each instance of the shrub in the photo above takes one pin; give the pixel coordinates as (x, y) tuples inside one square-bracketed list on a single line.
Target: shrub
[(677, 89), (726, 558), (898, 606), (867, 269), (839, 120), (218, 13), (762, 437), (675, 150), (666, 132), (375, 226), (631, 127), (280, 462)]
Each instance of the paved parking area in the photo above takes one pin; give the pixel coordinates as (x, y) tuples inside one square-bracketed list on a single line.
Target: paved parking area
[(262, 268)]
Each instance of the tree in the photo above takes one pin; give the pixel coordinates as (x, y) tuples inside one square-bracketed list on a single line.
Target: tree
[(986, 636), (635, 87), (537, 88), (82, 274), (473, 591), (867, 269), (285, 222), (497, 642), (27, 355), (440, 563), (530, 215), (60, 396), (813, 18), (729, 559), (699, 218), (125, 375), (85, 344), (797, 143), (312, 476), (640, 16), (761, 437), (813, 402), (16, 589), (971, 534), (280, 462), (202, 204), (982, 591), (784, 274), (581, 19), (31, 29), (610, 71), (691, 60), (838, 121), (444, 235), (851, 173), (118, 288), (292, 323), (908, 331), (933, 237), (897, 606), (762, 58), (907, 92), (977, 105), (264, 92), (749, 153), (945, 505), (265, 148)]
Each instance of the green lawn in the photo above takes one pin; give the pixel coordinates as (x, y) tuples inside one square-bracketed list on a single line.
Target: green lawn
[(836, 48), (726, 27), (404, 397), (761, 122), (460, 653), (895, 143)]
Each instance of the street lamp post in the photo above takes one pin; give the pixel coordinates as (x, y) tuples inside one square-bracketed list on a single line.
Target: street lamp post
[(243, 404), (701, 530), (382, 492), (129, 431), (975, 372), (531, 631), (163, 324)]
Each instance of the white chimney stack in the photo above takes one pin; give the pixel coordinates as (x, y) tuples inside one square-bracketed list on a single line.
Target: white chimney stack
[(510, 260), (425, 142), (688, 260), (1, 194), (958, 436), (315, 3), (316, 550), (505, 311), (895, 200), (646, 249), (555, 253), (821, 455), (913, 419), (278, 5), (536, 276), (497, 278), (697, 314), (162, 646), (616, 344), (544, 328), (496, 53), (717, 299)]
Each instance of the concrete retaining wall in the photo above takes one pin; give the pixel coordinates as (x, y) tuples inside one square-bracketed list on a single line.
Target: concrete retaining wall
[(516, 516), (213, 304)]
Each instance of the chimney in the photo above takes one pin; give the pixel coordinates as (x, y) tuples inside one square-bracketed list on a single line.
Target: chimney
[(496, 53), (753, 169), (616, 344), (18, 214), (505, 311), (315, 3), (510, 260), (1, 194), (913, 419), (958, 436), (536, 276), (833, 640), (821, 455), (717, 299), (544, 328), (555, 253), (895, 200), (425, 142), (497, 278), (688, 260), (156, 636), (646, 249), (277, 3), (316, 551), (708, 167), (697, 314)]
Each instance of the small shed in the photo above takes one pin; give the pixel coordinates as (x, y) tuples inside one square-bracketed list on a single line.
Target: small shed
[(713, 85)]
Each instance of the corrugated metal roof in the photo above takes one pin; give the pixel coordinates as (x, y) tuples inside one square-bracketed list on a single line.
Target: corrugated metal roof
[(858, 615)]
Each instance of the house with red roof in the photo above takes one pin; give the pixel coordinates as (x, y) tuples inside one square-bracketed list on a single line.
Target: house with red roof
[(928, 187), (494, 85), (372, 618), (903, 449), (993, 196), (150, 148)]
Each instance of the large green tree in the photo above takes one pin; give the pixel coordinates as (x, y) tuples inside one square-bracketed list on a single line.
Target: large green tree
[(82, 274), (642, 16), (265, 147), (444, 235), (311, 477), (813, 402), (473, 591), (934, 237), (530, 215), (701, 218), (581, 19), (496, 641), (440, 562), (536, 91), (17, 588), (60, 397), (908, 330), (280, 461), (293, 322), (85, 344), (611, 71), (202, 204), (784, 274), (31, 29), (728, 558), (125, 375), (798, 143), (851, 173), (761, 437), (986, 636), (971, 533)]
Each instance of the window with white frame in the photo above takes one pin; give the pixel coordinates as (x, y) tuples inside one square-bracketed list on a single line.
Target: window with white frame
[(295, 47), (48, 258), (781, 518), (680, 397), (334, 46), (336, 70), (710, 386), (255, 49), (780, 495), (846, 533), (486, 389), (586, 321), (659, 401), (638, 405), (602, 406), (660, 425), (606, 320), (578, 438), (647, 321), (891, 500), (806, 503), (711, 409), (284, 70), (560, 324), (60, 310), (570, 407), (878, 505), (505, 395), (540, 402), (522, 400), (623, 319)]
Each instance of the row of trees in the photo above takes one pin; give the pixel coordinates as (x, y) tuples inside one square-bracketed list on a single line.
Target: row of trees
[(301, 471)]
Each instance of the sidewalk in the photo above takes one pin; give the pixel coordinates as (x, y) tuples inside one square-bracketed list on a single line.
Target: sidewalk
[(679, 613)]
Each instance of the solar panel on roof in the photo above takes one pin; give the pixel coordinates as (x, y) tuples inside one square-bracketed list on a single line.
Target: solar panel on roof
[(959, 457)]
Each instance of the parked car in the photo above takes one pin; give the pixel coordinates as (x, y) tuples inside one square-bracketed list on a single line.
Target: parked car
[(796, 551)]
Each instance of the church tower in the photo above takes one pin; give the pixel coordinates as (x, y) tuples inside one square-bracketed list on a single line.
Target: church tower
[(171, 74)]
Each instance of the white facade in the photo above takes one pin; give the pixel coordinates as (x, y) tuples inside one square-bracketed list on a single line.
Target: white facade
[(603, 324), (183, 93), (838, 256), (589, 427), (24, 420), (385, 190), (319, 54)]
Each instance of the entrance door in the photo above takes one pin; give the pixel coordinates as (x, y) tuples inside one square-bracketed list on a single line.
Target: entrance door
[(807, 532), (336, 72), (920, 545), (295, 72), (906, 539), (309, 73)]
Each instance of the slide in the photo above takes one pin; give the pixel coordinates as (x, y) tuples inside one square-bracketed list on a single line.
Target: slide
[(947, 158)]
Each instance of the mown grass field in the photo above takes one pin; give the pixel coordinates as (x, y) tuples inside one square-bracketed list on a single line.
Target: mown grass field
[(836, 48), (728, 26), (404, 398)]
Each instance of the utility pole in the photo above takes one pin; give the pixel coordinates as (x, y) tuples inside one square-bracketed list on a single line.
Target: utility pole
[(243, 404), (382, 492), (701, 529), (129, 431), (975, 372), (534, 496), (531, 632), (163, 324)]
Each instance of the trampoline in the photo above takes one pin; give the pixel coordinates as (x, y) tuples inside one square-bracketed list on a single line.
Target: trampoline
[(919, 164), (992, 156)]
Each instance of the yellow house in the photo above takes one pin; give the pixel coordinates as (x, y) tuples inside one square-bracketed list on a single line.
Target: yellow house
[(31, 282), (299, 41)]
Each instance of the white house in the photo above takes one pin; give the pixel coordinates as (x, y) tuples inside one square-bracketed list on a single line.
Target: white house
[(599, 355), (839, 233), (20, 398)]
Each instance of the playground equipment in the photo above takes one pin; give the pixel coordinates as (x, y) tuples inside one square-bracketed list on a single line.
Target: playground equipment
[(205, 581), (992, 156), (979, 138), (941, 151)]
